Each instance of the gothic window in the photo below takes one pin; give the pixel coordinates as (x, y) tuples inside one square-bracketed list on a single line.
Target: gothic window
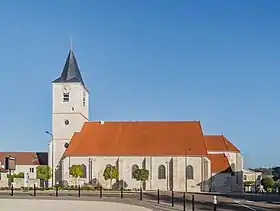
[(189, 172), (84, 171), (232, 166), (206, 169), (66, 97), (134, 168), (161, 172)]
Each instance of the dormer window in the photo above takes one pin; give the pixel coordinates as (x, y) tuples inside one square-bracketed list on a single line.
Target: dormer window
[(66, 97)]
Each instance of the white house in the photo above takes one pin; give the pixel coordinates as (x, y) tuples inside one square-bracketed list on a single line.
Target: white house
[(26, 162)]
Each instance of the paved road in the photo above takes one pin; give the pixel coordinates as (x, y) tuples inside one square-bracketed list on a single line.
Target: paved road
[(250, 201), (70, 205), (202, 201)]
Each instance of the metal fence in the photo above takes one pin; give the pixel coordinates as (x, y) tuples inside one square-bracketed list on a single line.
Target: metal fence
[(155, 196)]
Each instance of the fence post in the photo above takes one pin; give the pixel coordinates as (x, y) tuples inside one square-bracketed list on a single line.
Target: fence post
[(79, 191), (184, 201), (158, 196), (56, 190), (172, 198), (34, 194), (215, 203), (141, 194), (12, 190), (121, 193), (192, 202), (100, 192)]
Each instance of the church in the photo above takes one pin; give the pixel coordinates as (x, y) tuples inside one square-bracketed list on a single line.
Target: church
[(177, 154)]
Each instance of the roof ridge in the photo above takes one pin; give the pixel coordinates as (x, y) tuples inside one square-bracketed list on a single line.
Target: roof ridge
[(213, 135), (225, 143), (144, 121)]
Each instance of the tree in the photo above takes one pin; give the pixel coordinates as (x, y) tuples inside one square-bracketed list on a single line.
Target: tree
[(110, 173), (276, 173), (12, 176), (43, 172), (141, 175), (76, 171), (267, 183)]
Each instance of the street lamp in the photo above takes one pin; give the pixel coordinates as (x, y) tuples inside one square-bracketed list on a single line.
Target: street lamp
[(47, 132)]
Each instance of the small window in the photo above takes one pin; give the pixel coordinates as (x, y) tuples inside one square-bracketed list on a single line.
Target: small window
[(134, 168), (161, 172), (84, 99), (31, 170), (84, 171), (66, 97), (245, 177), (66, 122), (232, 166), (189, 172)]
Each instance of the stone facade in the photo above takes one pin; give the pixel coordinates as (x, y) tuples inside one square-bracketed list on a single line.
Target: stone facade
[(174, 171)]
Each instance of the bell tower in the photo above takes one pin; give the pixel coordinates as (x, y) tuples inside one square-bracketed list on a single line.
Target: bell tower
[(70, 109)]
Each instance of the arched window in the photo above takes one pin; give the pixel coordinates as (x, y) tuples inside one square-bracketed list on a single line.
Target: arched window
[(244, 177), (232, 166), (84, 171), (161, 172), (189, 172), (134, 168)]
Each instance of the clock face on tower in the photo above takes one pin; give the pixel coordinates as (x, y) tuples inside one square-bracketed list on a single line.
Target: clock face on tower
[(65, 89)]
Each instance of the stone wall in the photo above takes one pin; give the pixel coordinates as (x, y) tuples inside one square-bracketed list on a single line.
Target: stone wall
[(227, 182), (4, 181), (19, 183)]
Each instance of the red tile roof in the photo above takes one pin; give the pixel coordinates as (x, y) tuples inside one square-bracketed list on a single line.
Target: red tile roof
[(25, 158), (219, 143), (138, 138), (219, 163)]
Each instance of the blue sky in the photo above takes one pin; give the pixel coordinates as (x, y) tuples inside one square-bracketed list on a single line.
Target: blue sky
[(213, 61)]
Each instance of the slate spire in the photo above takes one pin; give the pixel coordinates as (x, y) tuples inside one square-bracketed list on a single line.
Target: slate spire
[(71, 71)]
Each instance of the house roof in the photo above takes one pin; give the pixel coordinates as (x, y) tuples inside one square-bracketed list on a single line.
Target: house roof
[(26, 158), (144, 138), (249, 171), (71, 71), (219, 143), (219, 163)]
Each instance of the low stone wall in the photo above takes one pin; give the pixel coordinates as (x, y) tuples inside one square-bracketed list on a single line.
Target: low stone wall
[(4, 183), (19, 183)]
